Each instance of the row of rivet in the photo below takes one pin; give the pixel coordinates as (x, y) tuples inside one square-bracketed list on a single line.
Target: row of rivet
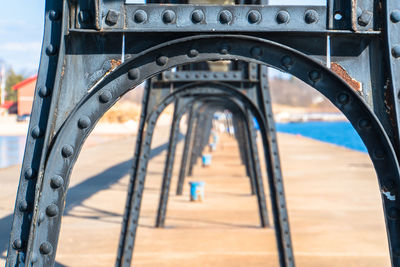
[(225, 17), (395, 18), (36, 132)]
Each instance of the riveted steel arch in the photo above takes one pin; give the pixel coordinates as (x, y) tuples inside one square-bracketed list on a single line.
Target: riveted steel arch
[(105, 93)]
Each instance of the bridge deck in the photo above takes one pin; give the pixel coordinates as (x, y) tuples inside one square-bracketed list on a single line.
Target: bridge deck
[(223, 230)]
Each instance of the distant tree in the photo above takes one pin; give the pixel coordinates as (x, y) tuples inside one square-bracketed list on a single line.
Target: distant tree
[(12, 79)]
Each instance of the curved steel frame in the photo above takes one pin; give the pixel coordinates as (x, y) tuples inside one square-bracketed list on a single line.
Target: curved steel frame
[(55, 140)]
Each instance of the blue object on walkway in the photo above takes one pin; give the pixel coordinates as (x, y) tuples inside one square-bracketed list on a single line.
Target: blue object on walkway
[(196, 191), (206, 159)]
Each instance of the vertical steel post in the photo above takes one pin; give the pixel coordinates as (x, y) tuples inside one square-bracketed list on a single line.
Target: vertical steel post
[(185, 154), (169, 164)]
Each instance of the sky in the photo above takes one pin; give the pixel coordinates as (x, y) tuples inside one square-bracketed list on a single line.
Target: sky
[(21, 31)]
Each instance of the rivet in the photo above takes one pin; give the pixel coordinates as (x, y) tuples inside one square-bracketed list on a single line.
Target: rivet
[(287, 62), (197, 16), (343, 98), (393, 213), (112, 17), (36, 133), (56, 182), (51, 50), (396, 51), (254, 16), (54, 15), (29, 173), (314, 75), (43, 91), (84, 122), (365, 18), (168, 16), (395, 16), (162, 60), (52, 210), (282, 17), (133, 74), (140, 16), (17, 244), (45, 248), (105, 97), (193, 53), (23, 206), (311, 16), (256, 52), (379, 154), (67, 151), (364, 124), (225, 49), (34, 257), (225, 17)]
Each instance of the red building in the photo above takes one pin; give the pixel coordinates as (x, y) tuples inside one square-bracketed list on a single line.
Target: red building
[(26, 91)]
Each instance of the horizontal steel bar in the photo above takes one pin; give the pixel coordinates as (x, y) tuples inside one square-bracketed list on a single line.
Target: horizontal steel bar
[(213, 18), (187, 76)]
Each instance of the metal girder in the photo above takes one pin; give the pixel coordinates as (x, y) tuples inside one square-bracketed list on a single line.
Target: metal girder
[(91, 56)]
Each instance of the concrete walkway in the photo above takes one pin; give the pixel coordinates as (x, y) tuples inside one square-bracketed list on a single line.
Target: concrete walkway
[(333, 198)]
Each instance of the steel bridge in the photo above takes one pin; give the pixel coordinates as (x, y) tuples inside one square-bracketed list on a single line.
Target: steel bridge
[(95, 51)]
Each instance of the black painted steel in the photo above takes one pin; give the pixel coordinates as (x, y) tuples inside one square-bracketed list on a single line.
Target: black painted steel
[(84, 70)]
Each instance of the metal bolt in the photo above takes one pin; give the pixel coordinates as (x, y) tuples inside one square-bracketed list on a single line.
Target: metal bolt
[(197, 16), (287, 62), (51, 50), (162, 60), (133, 74), (17, 244), (52, 210), (105, 97), (225, 49), (225, 17), (314, 75), (256, 52), (393, 213), (193, 53), (43, 91), (56, 182), (395, 16), (84, 122), (168, 16), (365, 18), (343, 98), (67, 151), (29, 173), (396, 51), (282, 17), (46, 248), (54, 15), (254, 16), (379, 154), (140, 16), (364, 124), (112, 17), (311, 16), (36, 133), (23, 206), (34, 257)]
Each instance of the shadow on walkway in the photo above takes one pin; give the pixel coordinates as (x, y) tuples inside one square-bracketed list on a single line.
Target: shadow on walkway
[(82, 191)]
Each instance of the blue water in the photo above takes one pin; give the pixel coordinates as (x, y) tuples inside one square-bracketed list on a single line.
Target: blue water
[(11, 150), (338, 133)]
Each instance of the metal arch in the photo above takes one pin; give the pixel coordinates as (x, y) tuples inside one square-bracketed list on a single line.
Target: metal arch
[(208, 100), (289, 60), (125, 251)]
